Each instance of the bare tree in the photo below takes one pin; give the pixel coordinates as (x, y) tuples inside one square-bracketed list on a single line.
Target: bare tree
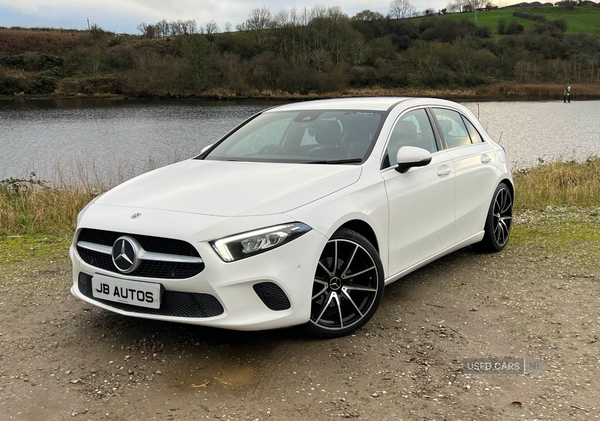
[(401, 9), (259, 19), (192, 28), (317, 12), (227, 27), (453, 8), (281, 19), (212, 27), (476, 4), (296, 17)]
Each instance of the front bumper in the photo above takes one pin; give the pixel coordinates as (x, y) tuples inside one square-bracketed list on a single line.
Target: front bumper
[(291, 267)]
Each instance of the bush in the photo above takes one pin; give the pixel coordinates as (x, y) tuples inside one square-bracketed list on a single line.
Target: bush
[(46, 82), (528, 15), (35, 62), (15, 61), (502, 26), (11, 85), (513, 28), (90, 85), (560, 24)]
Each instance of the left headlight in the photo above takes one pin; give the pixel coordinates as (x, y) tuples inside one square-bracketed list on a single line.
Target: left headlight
[(251, 243)]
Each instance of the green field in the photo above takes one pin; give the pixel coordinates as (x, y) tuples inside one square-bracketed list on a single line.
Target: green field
[(579, 19)]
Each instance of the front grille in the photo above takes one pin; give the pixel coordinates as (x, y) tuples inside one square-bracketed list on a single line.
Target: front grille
[(173, 303), (272, 296), (147, 268), (154, 244)]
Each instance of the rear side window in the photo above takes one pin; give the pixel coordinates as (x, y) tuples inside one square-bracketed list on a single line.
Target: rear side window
[(475, 136), (452, 127), (413, 129)]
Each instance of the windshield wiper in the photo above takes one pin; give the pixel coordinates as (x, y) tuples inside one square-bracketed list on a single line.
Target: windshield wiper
[(337, 161)]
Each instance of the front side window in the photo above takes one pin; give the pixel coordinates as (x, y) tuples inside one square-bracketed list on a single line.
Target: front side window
[(413, 129), (302, 136), (452, 126)]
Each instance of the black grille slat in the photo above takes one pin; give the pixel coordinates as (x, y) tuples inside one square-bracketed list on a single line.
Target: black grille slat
[(272, 295), (147, 268), (154, 244), (173, 303)]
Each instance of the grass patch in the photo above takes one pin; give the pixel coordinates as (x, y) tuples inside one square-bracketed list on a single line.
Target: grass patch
[(22, 255), (572, 235), (559, 184), (579, 19)]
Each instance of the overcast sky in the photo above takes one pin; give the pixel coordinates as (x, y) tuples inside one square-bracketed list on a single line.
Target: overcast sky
[(124, 15)]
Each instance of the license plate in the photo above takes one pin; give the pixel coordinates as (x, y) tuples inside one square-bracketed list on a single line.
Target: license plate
[(135, 293)]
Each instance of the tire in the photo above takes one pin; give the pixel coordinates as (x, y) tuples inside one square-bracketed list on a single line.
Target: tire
[(498, 224), (348, 286)]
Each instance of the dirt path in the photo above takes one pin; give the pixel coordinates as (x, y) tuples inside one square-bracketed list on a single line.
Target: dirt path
[(63, 359)]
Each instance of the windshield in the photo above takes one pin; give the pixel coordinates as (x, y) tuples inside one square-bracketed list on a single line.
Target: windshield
[(302, 136)]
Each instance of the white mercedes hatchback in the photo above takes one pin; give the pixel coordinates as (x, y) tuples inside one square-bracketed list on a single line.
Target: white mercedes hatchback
[(299, 216)]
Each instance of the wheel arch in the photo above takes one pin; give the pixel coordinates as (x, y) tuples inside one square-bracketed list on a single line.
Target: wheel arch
[(511, 187), (363, 228)]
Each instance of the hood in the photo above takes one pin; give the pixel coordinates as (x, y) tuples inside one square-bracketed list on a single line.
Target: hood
[(226, 188)]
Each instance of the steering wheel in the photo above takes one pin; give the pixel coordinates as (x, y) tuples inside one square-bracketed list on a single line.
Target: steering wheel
[(278, 149)]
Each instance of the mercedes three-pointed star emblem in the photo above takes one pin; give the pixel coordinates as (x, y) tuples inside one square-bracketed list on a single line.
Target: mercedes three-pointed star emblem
[(124, 254)]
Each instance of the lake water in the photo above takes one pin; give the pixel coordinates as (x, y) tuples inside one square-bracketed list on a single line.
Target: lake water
[(124, 138)]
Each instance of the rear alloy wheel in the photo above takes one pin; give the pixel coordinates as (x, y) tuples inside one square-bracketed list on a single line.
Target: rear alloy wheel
[(348, 285), (499, 220)]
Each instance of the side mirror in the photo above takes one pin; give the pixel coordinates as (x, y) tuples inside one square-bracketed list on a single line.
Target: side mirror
[(207, 147), (411, 156)]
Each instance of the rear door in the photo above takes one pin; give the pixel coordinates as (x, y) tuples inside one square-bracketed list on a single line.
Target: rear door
[(474, 162), (420, 201)]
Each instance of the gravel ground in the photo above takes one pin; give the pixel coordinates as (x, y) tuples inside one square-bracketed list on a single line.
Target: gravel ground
[(63, 359)]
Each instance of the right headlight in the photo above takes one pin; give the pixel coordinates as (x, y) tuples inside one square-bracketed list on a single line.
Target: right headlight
[(250, 243)]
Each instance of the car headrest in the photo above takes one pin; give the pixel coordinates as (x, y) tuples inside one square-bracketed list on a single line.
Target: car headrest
[(360, 133), (405, 131), (328, 133), (446, 126)]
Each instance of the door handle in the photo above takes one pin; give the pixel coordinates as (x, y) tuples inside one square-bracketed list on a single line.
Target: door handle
[(443, 170), (485, 158)]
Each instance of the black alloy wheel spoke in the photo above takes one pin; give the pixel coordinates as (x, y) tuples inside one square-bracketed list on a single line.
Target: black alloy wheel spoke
[(502, 216), (345, 285)]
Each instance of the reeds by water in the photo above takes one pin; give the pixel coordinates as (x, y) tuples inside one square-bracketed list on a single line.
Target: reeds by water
[(36, 207)]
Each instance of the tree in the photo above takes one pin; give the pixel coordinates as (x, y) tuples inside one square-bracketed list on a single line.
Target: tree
[(259, 18), (368, 16), (453, 8), (211, 27), (401, 9)]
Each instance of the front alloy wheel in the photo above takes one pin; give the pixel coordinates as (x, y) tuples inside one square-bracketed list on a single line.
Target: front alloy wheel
[(348, 285)]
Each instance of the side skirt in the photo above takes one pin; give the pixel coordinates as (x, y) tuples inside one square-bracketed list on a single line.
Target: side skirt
[(464, 243)]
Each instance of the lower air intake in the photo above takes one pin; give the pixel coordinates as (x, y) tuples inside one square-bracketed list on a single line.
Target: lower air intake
[(272, 295)]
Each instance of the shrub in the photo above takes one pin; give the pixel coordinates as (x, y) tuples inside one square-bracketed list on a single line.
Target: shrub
[(514, 27), (502, 26), (11, 85), (560, 24), (528, 15), (90, 85)]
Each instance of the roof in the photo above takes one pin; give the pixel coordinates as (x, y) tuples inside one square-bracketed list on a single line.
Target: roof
[(371, 104)]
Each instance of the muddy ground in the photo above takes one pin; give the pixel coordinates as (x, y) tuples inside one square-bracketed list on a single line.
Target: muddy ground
[(63, 359)]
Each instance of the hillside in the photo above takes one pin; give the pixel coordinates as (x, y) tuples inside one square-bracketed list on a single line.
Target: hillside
[(331, 55), (579, 20)]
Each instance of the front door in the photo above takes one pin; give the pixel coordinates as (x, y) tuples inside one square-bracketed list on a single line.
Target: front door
[(420, 201)]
